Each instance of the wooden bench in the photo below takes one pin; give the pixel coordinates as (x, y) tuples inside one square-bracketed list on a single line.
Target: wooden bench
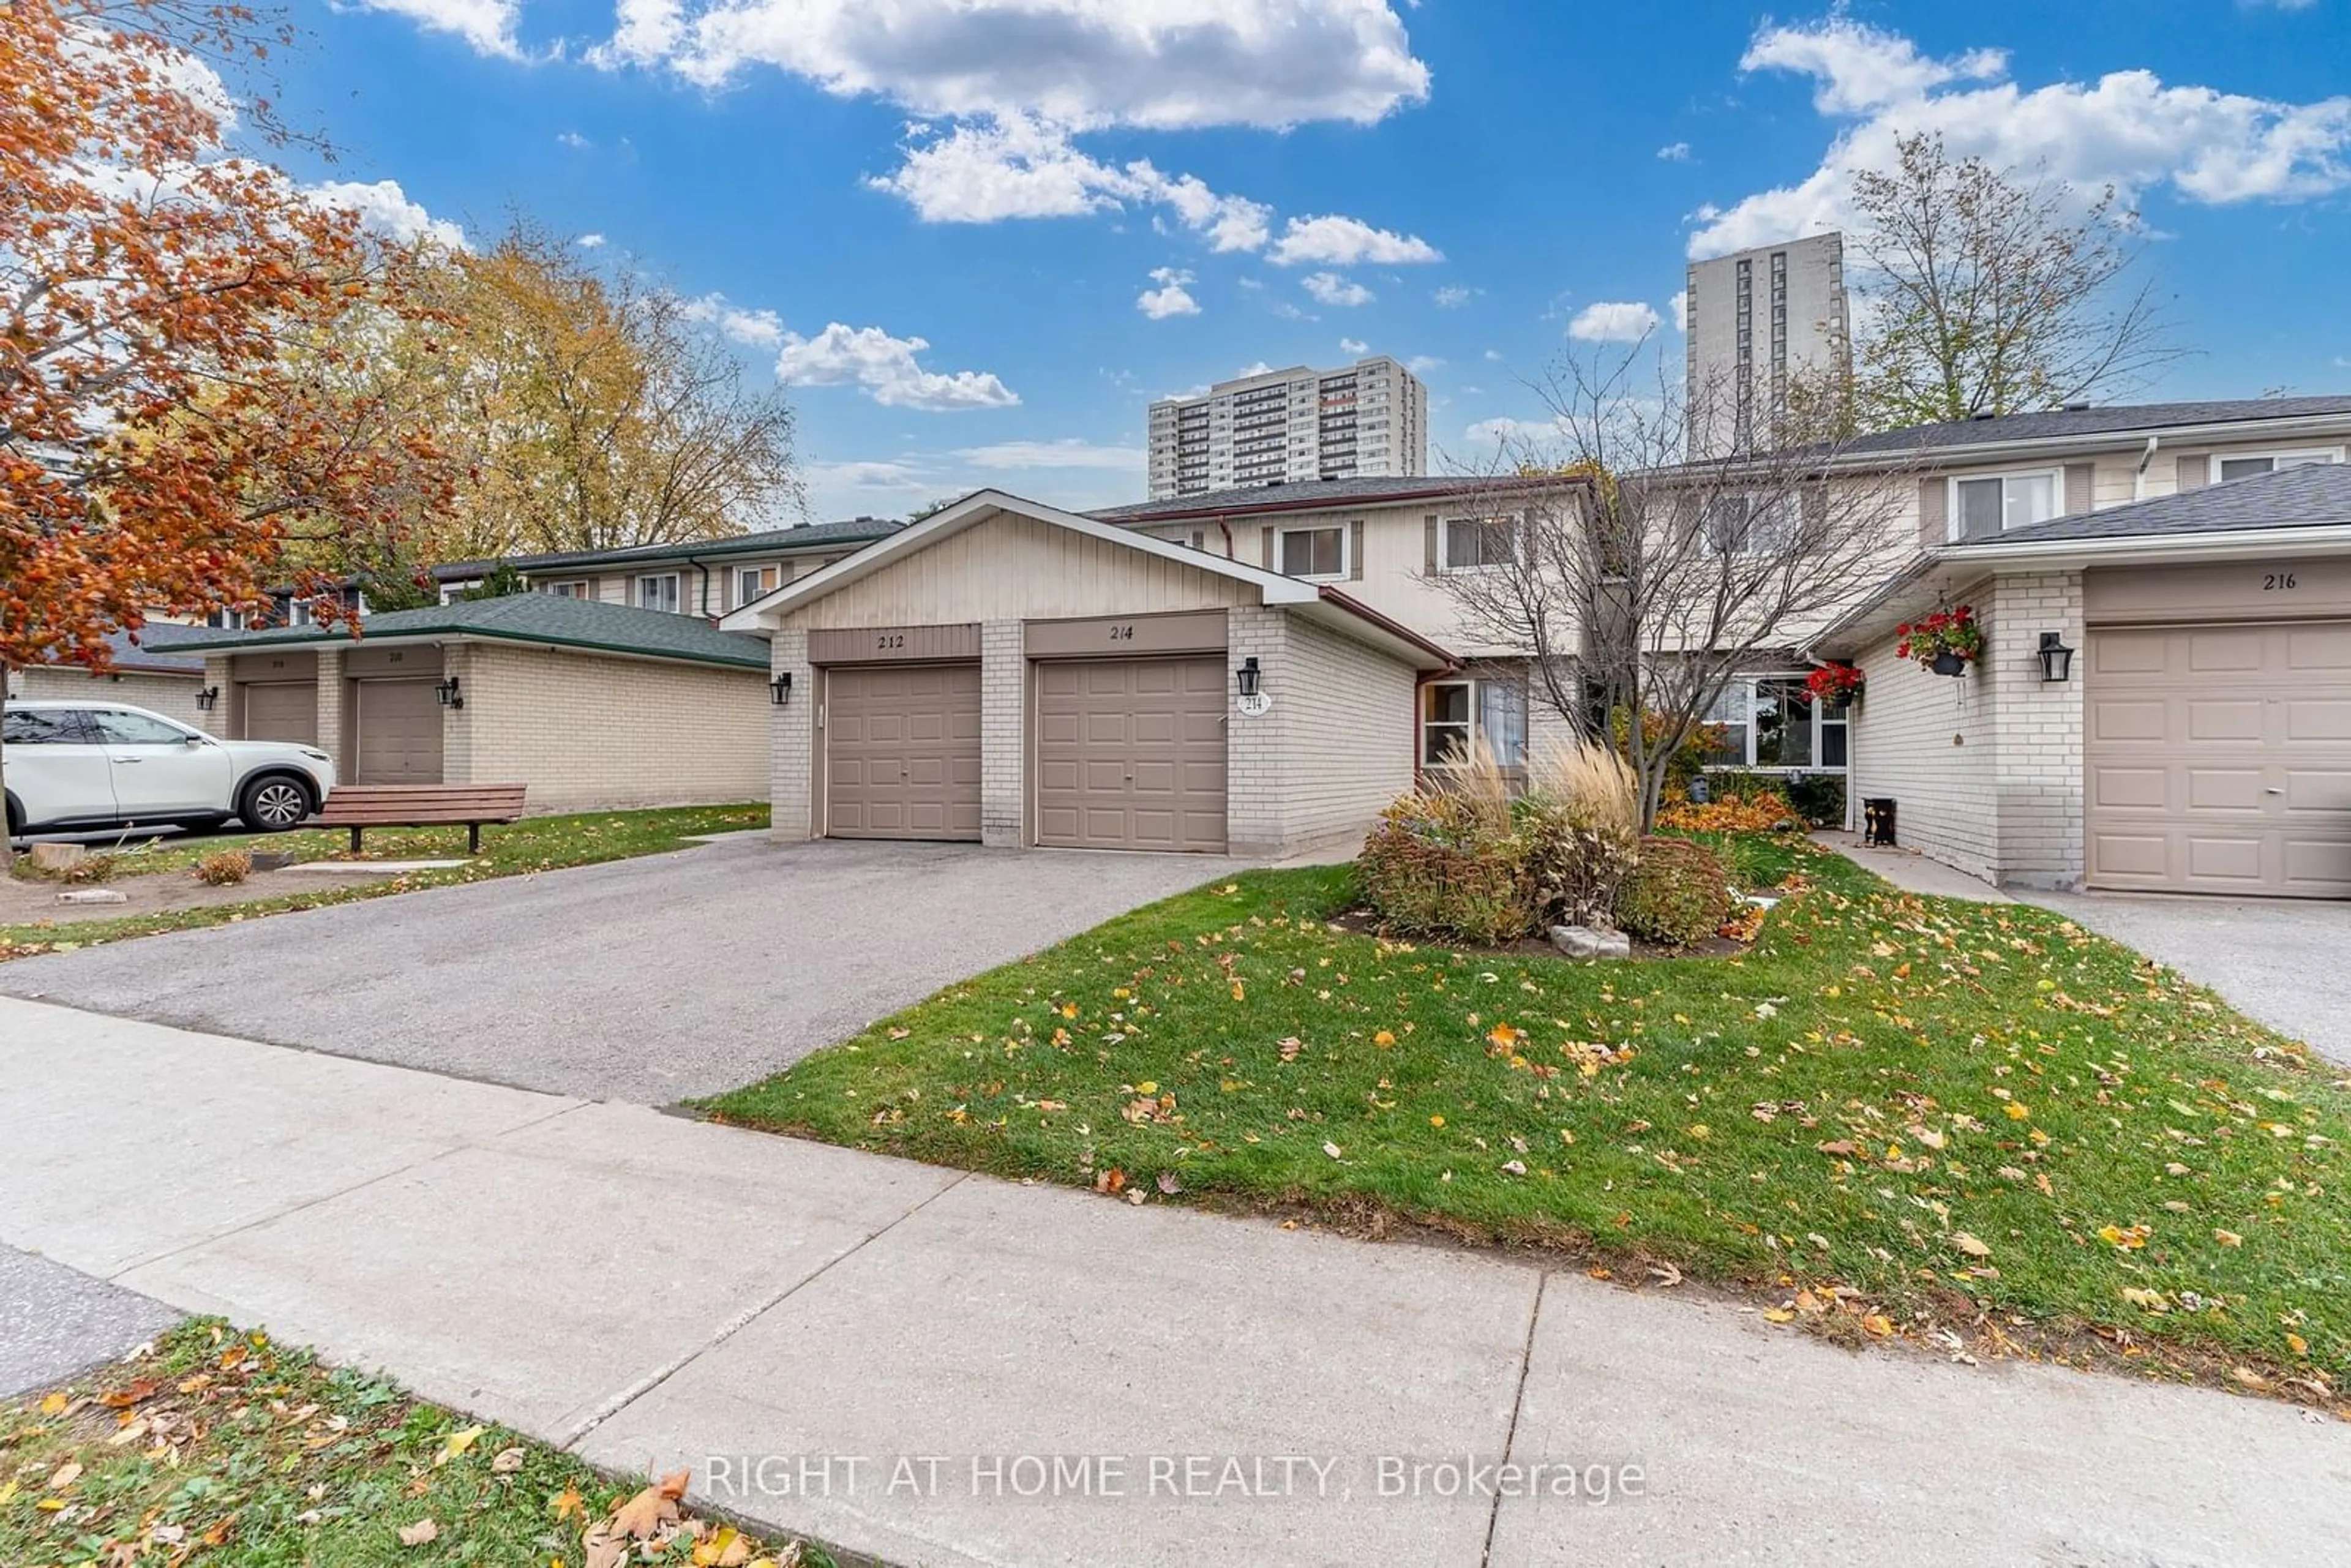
[(361, 806)]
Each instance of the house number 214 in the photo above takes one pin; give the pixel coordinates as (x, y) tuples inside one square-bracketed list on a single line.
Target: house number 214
[(2276, 581)]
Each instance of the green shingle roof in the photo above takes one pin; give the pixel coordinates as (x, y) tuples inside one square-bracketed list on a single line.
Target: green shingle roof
[(547, 620)]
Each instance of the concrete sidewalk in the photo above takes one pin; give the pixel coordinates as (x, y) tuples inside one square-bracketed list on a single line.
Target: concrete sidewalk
[(793, 1321)]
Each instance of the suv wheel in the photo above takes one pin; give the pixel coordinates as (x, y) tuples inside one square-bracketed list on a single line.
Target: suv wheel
[(273, 804)]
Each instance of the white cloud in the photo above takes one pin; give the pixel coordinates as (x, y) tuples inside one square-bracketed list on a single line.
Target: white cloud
[(1452, 298), (589, 242), (1170, 299), (886, 369), (574, 140), (385, 208), (2128, 128), (1332, 289), (1614, 321), (487, 24), (1513, 433), (1161, 64), (1355, 346), (1069, 454), (868, 475), (1681, 310), (1334, 241), (1674, 151), (749, 328), (1422, 364)]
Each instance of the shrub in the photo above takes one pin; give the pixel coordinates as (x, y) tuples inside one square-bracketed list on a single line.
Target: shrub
[(1436, 865), (1581, 819), (1734, 814), (95, 868), (1818, 797), (1690, 757), (225, 869), (1678, 897)]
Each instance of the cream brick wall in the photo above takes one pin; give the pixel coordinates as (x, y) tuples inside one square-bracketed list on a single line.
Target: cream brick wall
[(1336, 746), (173, 696), (2038, 775), (331, 695), (792, 738), (1003, 734), (588, 733), (1986, 770)]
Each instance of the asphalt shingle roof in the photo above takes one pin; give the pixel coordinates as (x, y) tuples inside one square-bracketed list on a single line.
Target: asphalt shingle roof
[(152, 650), (1305, 494), (2053, 424), (547, 619), (2313, 495), (807, 536)]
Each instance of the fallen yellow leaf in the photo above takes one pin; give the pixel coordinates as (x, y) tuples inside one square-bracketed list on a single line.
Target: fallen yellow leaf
[(423, 1533), (1777, 1314), (454, 1445), (2228, 1238)]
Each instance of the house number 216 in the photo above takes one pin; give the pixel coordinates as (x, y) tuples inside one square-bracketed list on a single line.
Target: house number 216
[(2276, 581)]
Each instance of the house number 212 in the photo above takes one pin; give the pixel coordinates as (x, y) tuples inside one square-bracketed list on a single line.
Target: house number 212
[(2276, 581)]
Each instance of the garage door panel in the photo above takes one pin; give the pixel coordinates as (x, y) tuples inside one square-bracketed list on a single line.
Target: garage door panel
[(2218, 759), (284, 711), (398, 738), (1131, 754), (902, 751)]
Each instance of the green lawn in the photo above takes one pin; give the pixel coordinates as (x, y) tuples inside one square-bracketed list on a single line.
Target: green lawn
[(535, 843), (226, 1450), (1894, 1116)]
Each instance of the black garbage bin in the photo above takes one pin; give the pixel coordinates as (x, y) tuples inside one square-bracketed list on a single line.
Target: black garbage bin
[(1878, 819)]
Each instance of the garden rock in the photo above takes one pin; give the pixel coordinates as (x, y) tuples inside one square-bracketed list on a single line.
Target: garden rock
[(56, 858), (1586, 942), (94, 895)]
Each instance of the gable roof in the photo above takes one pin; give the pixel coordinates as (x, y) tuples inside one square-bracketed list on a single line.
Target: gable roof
[(805, 536), (1317, 602), (2118, 419), (1311, 495), (2315, 495), (543, 620)]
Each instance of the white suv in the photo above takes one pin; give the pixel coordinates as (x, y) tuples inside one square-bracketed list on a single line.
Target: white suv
[(68, 767)]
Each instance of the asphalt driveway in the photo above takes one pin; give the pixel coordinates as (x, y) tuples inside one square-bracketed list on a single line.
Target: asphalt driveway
[(2283, 961), (648, 980)]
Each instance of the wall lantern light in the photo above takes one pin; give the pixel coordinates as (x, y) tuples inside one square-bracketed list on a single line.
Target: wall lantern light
[(208, 698), (1246, 677), (449, 695), (2056, 659), (779, 690)]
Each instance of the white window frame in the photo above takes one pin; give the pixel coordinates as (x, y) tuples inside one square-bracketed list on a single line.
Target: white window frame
[(1515, 525), (676, 581), (2311, 456), (759, 574), (1816, 714), (1951, 517), (1753, 540), (1346, 547), (565, 588), (1469, 726)]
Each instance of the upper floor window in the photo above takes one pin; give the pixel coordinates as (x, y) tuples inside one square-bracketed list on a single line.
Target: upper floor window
[(1985, 508), (570, 588), (1748, 525), (1472, 543), (658, 592), (756, 582), (2271, 462), (1312, 552)]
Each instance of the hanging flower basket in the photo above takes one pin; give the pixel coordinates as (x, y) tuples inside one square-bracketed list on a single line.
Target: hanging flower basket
[(1835, 685), (1947, 641)]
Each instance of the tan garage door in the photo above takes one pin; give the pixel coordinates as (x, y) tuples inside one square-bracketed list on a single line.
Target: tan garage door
[(286, 711), (1131, 754), (2220, 758), (902, 751), (397, 733)]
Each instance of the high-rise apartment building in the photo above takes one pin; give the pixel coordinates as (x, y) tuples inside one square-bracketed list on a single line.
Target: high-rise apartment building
[(1368, 420), (1757, 324)]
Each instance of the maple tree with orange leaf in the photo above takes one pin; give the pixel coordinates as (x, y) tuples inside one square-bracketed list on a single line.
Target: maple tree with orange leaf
[(181, 426)]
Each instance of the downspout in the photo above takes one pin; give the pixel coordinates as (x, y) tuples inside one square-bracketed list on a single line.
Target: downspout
[(2138, 479), (703, 596), (1225, 527)]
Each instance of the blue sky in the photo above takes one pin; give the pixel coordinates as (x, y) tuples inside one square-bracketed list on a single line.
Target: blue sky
[(977, 236)]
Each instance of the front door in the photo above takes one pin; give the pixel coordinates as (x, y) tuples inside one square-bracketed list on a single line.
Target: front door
[(160, 770)]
